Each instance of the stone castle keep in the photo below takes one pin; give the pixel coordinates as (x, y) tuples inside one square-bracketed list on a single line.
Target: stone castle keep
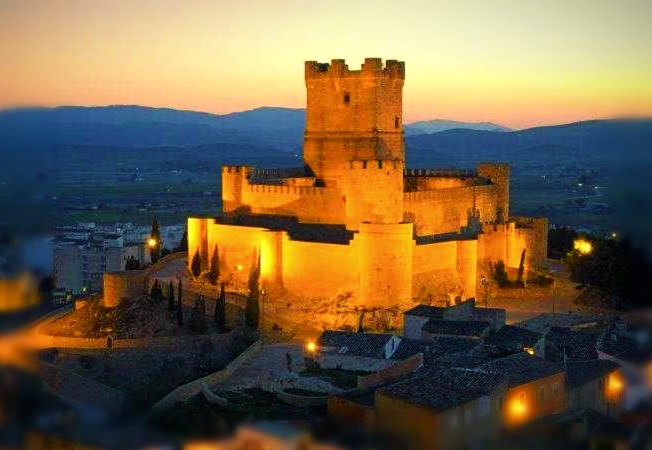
[(354, 222)]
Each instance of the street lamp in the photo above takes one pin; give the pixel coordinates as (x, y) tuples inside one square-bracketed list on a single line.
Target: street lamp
[(152, 242), (583, 246)]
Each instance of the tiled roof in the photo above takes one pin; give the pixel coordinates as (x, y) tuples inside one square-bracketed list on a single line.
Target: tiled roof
[(434, 347), (522, 368), (578, 373), (443, 389), (433, 312), (544, 321), (511, 337), (456, 327), (355, 344), (626, 349), (564, 343)]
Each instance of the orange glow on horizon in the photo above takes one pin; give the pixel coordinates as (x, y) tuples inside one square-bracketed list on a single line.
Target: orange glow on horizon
[(506, 66)]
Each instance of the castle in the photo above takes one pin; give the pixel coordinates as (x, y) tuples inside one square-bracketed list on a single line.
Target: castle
[(354, 222)]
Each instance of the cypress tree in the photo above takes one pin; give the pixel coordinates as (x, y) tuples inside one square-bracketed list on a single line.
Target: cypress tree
[(252, 308), (155, 243), (521, 268), (214, 272), (179, 305), (171, 297), (220, 311), (195, 265)]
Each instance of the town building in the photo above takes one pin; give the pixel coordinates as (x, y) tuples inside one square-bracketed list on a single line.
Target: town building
[(461, 319), (368, 352), (442, 409), (596, 384), (81, 259), (353, 222), (536, 387)]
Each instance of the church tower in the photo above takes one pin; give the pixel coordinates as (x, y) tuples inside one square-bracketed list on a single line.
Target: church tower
[(352, 115)]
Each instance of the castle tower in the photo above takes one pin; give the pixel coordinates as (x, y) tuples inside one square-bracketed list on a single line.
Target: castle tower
[(352, 115)]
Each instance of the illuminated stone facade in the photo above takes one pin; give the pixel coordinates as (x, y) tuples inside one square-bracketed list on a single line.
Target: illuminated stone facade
[(354, 223)]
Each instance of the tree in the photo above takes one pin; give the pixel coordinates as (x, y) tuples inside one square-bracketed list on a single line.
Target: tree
[(179, 305), (156, 292), (214, 271), (521, 268), (198, 315), (46, 288), (155, 243), (171, 297), (132, 263), (195, 265), (500, 274), (252, 308), (183, 243), (220, 311)]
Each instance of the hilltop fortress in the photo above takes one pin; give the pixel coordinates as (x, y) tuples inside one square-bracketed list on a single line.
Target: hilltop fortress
[(354, 223)]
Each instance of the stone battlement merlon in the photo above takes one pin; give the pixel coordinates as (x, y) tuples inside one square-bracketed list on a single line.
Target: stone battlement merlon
[(376, 164), (371, 67), (449, 173), (226, 168)]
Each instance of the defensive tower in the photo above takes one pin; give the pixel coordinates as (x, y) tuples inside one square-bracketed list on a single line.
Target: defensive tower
[(352, 115)]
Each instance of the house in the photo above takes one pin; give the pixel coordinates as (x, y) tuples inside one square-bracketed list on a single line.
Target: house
[(577, 429), (512, 338), (415, 318), (564, 343), (459, 328), (536, 387), (635, 359), (595, 384), (367, 352), (442, 409)]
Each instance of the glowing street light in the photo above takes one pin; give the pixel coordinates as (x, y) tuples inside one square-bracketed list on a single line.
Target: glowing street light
[(583, 246), (151, 242), (311, 346)]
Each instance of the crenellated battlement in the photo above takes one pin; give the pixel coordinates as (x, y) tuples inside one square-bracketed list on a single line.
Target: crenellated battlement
[(452, 173), (373, 67), (285, 189), (376, 164), (237, 169)]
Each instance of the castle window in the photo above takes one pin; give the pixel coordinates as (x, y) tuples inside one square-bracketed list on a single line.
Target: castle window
[(396, 122), (347, 97)]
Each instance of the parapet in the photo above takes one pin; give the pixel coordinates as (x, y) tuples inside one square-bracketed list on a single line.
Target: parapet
[(371, 67), (236, 169), (376, 164)]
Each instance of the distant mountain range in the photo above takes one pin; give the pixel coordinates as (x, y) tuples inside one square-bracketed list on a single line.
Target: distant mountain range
[(437, 125), (256, 132)]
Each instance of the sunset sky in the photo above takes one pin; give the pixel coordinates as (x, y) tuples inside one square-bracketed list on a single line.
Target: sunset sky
[(515, 62)]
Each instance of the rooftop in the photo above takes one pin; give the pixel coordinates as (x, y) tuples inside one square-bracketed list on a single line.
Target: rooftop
[(510, 337), (578, 373), (473, 328), (356, 344), (626, 349), (522, 368), (442, 389)]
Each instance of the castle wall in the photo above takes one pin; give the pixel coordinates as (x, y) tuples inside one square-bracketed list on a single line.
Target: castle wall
[(443, 269), (447, 210), (320, 270), (506, 242), (385, 263), (307, 203), (499, 175), (120, 286), (374, 192)]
